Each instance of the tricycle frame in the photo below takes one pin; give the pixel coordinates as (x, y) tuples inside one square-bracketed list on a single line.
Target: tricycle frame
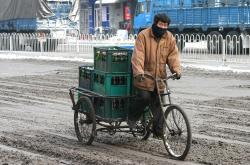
[(172, 130), (109, 125)]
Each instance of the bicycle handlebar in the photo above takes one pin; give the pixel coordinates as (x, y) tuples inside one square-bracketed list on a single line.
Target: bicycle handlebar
[(173, 76)]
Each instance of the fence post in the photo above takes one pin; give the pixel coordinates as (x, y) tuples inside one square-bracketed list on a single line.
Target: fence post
[(11, 43), (77, 45), (224, 59), (41, 45)]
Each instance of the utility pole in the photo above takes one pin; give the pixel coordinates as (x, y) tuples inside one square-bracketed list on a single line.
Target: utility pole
[(100, 20), (84, 16)]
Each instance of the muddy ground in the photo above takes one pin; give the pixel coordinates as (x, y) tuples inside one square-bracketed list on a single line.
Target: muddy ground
[(36, 120)]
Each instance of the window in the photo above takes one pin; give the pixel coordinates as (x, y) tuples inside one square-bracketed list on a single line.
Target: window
[(148, 6), (140, 8)]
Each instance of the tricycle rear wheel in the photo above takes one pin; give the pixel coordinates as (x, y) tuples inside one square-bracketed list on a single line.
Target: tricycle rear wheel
[(85, 121)]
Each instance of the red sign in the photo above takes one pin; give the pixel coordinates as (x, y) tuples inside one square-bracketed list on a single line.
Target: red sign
[(127, 13)]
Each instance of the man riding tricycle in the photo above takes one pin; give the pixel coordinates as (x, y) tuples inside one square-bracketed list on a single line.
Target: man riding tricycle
[(131, 95)]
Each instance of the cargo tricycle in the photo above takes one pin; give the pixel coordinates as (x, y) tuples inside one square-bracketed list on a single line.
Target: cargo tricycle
[(103, 99)]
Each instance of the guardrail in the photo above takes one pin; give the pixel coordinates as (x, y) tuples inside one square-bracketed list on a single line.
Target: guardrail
[(231, 48), (47, 43)]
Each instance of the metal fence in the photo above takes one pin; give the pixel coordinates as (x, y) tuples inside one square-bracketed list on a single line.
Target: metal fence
[(231, 48), (193, 46)]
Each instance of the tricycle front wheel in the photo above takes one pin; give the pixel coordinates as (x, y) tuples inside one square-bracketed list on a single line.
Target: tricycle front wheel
[(85, 121), (176, 132)]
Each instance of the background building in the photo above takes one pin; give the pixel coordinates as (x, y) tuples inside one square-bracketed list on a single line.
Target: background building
[(106, 16)]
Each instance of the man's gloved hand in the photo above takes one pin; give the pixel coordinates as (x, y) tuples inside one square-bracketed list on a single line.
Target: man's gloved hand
[(178, 76), (140, 77)]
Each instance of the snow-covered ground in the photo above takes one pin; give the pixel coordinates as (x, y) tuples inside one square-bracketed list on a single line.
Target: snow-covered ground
[(36, 119), (47, 56), (206, 64), (216, 65)]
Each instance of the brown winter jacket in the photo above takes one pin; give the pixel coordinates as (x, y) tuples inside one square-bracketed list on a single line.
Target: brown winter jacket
[(151, 56)]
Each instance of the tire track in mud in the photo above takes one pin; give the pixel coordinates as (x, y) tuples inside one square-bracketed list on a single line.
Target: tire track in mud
[(30, 96), (11, 155), (225, 128), (98, 153), (45, 127), (37, 89), (24, 91), (223, 120), (225, 123), (17, 90)]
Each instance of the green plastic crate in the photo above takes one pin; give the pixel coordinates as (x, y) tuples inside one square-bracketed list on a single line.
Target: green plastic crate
[(112, 84), (86, 76), (112, 108), (112, 59)]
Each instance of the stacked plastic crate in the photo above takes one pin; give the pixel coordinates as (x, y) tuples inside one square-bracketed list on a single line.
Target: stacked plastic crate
[(86, 74), (111, 77)]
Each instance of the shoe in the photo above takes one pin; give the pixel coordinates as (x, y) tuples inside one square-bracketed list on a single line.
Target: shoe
[(158, 128), (88, 121), (157, 133), (131, 124)]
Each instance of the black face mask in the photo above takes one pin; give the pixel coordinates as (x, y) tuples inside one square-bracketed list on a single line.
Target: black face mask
[(157, 31)]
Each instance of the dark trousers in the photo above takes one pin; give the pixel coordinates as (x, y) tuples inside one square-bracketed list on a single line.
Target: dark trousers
[(142, 100)]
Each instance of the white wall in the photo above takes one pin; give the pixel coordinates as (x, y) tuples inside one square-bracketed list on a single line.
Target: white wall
[(116, 15)]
